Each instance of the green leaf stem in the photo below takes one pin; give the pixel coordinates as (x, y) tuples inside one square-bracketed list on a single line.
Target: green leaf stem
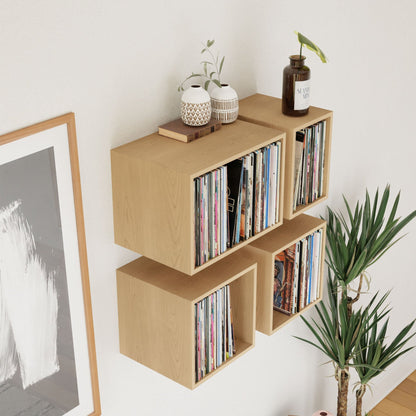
[(303, 40)]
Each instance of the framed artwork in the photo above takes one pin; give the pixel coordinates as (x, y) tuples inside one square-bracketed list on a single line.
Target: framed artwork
[(47, 350)]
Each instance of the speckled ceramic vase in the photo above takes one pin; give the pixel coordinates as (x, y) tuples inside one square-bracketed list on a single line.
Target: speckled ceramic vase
[(196, 106), (224, 103)]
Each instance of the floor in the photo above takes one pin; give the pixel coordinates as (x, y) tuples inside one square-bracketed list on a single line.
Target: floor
[(400, 402)]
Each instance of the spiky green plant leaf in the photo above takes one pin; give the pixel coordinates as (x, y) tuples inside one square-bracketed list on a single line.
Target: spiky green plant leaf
[(375, 354), (340, 336), (356, 242)]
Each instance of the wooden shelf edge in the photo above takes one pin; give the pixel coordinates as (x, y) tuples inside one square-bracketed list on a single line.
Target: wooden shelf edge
[(196, 270), (265, 110), (242, 348), (182, 157), (178, 284), (190, 386), (303, 208), (288, 233), (284, 319)]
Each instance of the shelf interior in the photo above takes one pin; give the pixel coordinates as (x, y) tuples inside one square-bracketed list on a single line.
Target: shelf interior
[(280, 319), (242, 292), (242, 296), (241, 347)]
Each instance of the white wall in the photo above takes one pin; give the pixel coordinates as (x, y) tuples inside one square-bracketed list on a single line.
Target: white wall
[(117, 64)]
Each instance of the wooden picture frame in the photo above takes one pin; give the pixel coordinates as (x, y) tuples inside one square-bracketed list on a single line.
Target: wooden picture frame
[(45, 301)]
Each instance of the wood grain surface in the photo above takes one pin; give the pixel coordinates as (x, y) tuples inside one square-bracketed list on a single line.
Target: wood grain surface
[(156, 306), (401, 401), (153, 190)]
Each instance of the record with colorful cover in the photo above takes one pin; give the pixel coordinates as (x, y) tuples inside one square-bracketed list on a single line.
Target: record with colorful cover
[(279, 281)]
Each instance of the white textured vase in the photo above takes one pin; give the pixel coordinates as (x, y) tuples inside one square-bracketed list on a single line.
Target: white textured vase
[(196, 106), (224, 103)]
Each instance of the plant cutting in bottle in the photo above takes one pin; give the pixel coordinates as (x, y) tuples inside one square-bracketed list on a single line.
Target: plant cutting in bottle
[(303, 40), (296, 80)]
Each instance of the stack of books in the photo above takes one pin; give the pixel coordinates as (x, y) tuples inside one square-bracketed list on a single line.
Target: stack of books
[(309, 164), (177, 130), (296, 274), (214, 337), (236, 201)]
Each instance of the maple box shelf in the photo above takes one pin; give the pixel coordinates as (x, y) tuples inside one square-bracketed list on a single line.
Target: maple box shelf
[(267, 111), (156, 307), (153, 190), (154, 215), (263, 251)]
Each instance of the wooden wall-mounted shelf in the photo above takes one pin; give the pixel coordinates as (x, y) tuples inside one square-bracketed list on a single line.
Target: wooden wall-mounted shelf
[(157, 312), (266, 111), (153, 190), (154, 215), (263, 251)]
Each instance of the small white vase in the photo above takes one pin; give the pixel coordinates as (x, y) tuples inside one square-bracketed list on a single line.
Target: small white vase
[(196, 106), (224, 102)]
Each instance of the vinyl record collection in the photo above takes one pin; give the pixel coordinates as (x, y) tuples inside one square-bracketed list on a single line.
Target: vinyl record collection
[(309, 164), (236, 201), (214, 333), (296, 274)]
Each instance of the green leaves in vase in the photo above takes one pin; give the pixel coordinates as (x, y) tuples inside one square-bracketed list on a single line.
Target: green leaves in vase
[(303, 40), (211, 68)]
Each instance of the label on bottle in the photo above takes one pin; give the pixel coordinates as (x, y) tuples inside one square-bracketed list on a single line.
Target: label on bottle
[(302, 94)]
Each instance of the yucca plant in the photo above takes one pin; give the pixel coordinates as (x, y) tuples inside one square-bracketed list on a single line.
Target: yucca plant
[(338, 335), (374, 355), (356, 244), (342, 334)]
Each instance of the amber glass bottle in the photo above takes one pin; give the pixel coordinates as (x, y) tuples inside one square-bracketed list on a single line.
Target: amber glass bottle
[(296, 87)]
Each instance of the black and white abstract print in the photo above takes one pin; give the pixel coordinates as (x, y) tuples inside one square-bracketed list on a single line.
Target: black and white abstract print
[(37, 365)]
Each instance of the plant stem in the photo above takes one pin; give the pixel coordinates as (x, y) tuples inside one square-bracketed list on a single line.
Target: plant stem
[(300, 53), (359, 399), (343, 380), (351, 301), (214, 63)]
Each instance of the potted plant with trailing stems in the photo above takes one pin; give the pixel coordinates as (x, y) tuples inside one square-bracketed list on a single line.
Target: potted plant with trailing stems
[(296, 80), (357, 338), (223, 99)]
